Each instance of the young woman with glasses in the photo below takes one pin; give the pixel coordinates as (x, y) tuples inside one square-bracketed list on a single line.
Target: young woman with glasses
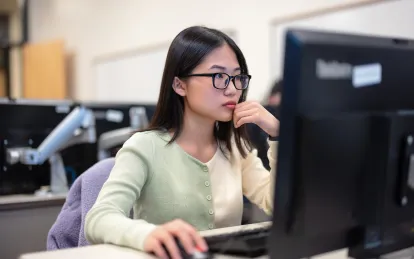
[(189, 170)]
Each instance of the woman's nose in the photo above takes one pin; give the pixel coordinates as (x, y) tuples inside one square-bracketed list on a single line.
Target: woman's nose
[(230, 90)]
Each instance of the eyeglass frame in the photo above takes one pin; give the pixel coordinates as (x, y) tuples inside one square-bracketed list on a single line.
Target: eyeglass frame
[(212, 75)]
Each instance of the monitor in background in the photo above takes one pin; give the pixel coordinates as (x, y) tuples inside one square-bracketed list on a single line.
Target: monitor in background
[(109, 117), (345, 162), (26, 123)]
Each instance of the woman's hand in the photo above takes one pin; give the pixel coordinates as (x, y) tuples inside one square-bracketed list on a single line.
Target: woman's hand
[(254, 112), (164, 235)]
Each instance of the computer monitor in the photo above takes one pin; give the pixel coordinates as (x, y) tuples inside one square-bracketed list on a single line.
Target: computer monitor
[(345, 175), (26, 123), (109, 116)]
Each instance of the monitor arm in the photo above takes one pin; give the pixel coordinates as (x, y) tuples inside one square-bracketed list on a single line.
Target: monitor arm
[(114, 138), (78, 127)]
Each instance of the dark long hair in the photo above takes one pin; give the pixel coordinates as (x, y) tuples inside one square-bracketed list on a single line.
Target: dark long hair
[(188, 50)]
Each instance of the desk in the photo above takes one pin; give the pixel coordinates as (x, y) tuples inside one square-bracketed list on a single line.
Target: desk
[(111, 251), (27, 201), (25, 221)]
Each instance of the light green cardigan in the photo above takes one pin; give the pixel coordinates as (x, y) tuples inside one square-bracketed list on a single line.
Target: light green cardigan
[(162, 183)]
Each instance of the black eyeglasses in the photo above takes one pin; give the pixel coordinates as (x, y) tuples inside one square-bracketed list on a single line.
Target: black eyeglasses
[(222, 80)]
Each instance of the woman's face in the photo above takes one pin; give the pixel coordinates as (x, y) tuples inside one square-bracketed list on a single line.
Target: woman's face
[(202, 98)]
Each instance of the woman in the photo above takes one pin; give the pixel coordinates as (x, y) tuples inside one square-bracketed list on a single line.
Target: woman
[(189, 171)]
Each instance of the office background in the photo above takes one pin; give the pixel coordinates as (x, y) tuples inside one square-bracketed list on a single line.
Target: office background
[(106, 50), (92, 31)]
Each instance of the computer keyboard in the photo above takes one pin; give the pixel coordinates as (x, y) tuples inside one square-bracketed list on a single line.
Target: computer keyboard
[(250, 242)]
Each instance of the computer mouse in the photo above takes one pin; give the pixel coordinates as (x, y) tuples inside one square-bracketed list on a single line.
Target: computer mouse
[(198, 254)]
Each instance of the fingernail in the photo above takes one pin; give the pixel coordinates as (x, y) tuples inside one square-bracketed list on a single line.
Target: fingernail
[(202, 248)]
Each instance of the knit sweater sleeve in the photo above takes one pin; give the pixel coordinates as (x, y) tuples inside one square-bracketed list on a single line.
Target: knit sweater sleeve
[(258, 182), (108, 220)]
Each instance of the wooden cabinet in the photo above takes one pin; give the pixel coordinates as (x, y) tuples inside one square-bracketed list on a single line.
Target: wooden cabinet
[(44, 70)]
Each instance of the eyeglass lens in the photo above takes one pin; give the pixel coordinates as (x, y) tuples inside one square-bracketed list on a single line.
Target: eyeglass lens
[(222, 80)]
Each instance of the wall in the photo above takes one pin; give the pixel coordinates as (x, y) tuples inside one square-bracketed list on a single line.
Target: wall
[(96, 27), (120, 70), (388, 18), (15, 35), (8, 6)]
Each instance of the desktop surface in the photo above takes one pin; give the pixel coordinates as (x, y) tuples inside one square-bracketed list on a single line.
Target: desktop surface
[(107, 251)]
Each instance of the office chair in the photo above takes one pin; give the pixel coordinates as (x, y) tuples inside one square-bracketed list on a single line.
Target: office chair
[(68, 229)]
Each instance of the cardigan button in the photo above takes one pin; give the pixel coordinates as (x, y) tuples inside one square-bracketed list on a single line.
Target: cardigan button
[(211, 212), (208, 197), (210, 226), (205, 168), (207, 183)]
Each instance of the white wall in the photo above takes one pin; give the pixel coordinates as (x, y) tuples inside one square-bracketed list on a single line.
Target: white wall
[(95, 27), (120, 70), (389, 19)]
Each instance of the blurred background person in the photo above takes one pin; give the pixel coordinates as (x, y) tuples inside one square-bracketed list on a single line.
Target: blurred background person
[(275, 95)]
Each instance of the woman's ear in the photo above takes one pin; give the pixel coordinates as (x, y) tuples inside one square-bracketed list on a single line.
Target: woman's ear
[(179, 87)]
